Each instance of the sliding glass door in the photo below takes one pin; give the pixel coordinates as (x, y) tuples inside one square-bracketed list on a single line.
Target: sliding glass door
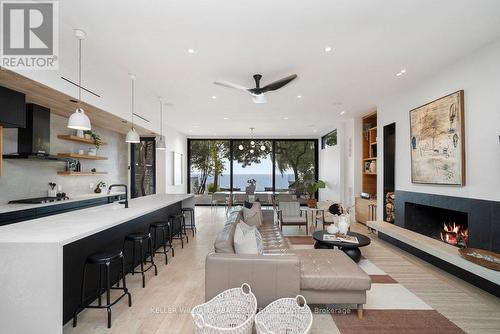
[(231, 165)]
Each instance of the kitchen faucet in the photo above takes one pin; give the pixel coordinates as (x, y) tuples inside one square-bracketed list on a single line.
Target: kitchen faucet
[(126, 193)]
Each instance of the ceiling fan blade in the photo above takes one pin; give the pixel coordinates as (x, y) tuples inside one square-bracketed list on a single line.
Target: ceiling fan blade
[(278, 84), (230, 85)]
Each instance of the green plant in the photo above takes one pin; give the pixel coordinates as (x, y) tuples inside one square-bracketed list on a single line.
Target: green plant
[(213, 188), (95, 138), (314, 186)]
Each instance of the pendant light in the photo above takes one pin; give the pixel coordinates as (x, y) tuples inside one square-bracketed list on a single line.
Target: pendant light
[(160, 144), (132, 135), (78, 120)]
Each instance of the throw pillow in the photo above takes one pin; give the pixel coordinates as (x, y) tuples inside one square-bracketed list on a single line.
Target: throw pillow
[(248, 204), (253, 216), (246, 239)]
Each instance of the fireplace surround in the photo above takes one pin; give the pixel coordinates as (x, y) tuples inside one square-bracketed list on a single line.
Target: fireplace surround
[(480, 217)]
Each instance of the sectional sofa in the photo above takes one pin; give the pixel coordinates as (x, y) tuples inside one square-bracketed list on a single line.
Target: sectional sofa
[(321, 276)]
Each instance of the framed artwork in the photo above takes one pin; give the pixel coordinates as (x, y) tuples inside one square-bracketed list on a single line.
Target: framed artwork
[(437, 141)]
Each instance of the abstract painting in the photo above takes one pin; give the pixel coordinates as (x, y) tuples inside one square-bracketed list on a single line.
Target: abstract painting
[(437, 141)]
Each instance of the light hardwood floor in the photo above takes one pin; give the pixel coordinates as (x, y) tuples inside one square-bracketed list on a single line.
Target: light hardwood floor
[(164, 305)]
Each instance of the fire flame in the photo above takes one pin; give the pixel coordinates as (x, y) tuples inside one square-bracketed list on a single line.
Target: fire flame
[(454, 234)]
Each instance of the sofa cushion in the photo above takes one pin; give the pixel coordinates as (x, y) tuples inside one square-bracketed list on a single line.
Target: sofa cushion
[(224, 243), (247, 240), (325, 269), (253, 216), (272, 239)]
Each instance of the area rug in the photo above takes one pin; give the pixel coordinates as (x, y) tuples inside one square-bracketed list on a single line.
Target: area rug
[(390, 307)]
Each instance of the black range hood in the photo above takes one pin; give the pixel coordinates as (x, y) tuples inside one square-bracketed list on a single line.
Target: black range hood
[(33, 141)]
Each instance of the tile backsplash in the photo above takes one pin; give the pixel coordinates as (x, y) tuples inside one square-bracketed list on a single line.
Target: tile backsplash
[(27, 178)]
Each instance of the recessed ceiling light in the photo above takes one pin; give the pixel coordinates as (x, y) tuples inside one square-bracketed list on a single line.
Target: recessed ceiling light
[(191, 51), (214, 97), (285, 118), (328, 48), (342, 112), (226, 118), (315, 130), (299, 96), (190, 130)]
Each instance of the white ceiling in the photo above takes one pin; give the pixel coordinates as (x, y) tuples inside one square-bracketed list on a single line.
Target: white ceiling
[(372, 40)]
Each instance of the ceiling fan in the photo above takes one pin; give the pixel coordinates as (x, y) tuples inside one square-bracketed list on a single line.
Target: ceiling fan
[(258, 93)]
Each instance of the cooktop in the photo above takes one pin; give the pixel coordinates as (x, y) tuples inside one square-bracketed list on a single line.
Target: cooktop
[(39, 200)]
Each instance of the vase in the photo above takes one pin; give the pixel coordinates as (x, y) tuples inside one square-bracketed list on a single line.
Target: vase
[(79, 133), (373, 167), (332, 229), (344, 224)]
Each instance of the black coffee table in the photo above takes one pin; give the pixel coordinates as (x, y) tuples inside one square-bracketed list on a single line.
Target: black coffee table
[(352, 250)]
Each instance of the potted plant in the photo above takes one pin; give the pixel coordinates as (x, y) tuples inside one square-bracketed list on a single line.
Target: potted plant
[(311, 189), (95, 138)]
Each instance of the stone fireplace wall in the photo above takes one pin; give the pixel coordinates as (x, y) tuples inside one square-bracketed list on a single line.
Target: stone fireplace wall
[(483, 216)]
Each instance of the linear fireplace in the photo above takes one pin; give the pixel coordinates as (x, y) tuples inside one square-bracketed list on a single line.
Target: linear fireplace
[(458, 220), (449, 226)]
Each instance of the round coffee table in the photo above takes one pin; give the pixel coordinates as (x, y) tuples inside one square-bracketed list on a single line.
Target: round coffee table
[(352, 250)]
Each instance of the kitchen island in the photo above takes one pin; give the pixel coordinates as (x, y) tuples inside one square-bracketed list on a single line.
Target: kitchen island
[(41, 259)]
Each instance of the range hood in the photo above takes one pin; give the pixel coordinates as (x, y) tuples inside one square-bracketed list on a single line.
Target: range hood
[(33, 141)]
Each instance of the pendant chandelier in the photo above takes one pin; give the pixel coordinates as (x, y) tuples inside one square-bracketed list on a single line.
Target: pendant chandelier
[(78, 120), (252, 143), (132, 135)]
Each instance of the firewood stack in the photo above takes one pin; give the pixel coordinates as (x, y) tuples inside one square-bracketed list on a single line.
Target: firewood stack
[(389, 207)]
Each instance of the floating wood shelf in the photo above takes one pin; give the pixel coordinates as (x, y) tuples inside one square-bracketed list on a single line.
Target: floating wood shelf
[(370, 173), (81, 156), (78, 139), (374, 143), (368, 159), (69, 173)]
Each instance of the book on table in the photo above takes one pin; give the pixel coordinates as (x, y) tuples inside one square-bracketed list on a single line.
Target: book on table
[(340, 238)]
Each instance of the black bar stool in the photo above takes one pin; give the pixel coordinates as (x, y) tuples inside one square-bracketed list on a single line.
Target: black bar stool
[(138, 239), (166, 241), (192, 224), (103, 260), (179, 219)]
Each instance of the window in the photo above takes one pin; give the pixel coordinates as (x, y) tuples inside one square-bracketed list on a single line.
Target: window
[(252, 161), (284, 165), (295, 162), (330, 139)]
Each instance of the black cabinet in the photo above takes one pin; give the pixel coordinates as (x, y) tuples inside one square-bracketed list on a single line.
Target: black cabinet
[(12, 108)]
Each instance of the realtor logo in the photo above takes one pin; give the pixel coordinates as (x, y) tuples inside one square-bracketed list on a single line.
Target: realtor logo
[(29, 35)]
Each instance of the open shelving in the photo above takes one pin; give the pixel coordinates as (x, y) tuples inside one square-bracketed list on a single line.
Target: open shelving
[(82, 156), (78, 139), (70, 173)]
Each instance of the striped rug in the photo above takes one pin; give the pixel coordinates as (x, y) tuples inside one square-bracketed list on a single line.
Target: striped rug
[(390, 307)]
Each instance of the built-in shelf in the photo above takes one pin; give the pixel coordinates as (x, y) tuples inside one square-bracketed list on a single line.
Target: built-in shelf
[(374, 143), (369, 173), (368, 159), (78, 139), (81, 156), (69, 173)]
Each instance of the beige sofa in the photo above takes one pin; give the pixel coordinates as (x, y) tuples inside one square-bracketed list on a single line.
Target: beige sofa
[(322, 276)]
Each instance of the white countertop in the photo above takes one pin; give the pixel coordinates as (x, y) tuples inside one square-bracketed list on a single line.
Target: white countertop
[(6, 208), (68, 227)]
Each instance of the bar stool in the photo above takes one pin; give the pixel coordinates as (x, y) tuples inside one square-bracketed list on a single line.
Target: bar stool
[(103, 260), (192, 224), (182, 227), (165, 230), (138, 239)]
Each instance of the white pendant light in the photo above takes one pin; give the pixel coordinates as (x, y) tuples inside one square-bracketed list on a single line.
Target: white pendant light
[(78, 120), (240, 147), (160, 143), (132, 135), (263, 148)]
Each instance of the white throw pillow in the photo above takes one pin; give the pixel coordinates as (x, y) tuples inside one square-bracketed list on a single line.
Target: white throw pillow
[(253, 216), (247, 240)]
